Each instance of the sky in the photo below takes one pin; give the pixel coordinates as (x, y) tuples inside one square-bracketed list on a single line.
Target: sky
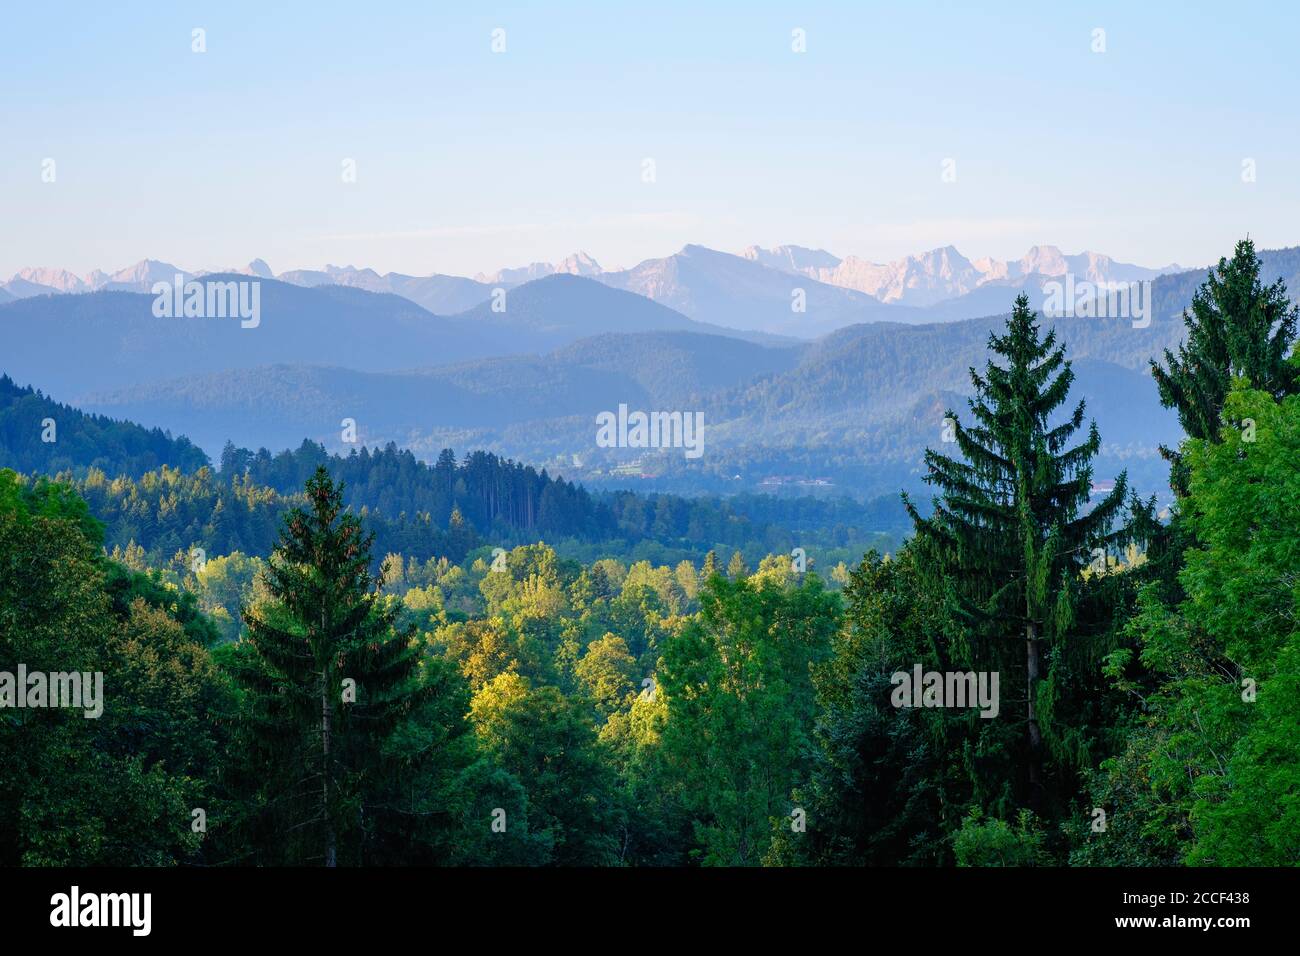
[(470, 160)]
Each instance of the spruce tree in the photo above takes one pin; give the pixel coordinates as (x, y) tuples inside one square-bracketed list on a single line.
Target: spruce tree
[(329, 678), (710, 566), (1011, 532), (1237, 327), (736, 567)]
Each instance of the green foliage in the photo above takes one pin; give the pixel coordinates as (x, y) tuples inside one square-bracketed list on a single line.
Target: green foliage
[(328, 680), (47, 499), (450, 510), (1225, 657), (1011, 537), (882, 778), (1251, 817), (608, 673), (82, 441), (740, 709), (117, 789), (549, 744), (1237, 327), (612, 699), (982, 842)]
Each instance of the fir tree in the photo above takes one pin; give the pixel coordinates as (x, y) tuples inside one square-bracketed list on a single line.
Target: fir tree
[(461, 538), (1237, 327), (736, 567), (329, 676), (710, 566), (1010, 532)]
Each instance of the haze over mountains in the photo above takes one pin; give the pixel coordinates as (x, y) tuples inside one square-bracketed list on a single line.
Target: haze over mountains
[(844, 395), (788, 290), (855, 409), (70, 344)]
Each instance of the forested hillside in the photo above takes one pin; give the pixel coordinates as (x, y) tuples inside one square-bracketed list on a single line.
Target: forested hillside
[(1050, 671), (457, 404), (40, 435), (852, 409), (450, 508)]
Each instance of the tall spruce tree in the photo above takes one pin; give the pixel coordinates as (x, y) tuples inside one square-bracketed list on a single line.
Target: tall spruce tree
[(1011, 532), (1237, 327), (329, 677)]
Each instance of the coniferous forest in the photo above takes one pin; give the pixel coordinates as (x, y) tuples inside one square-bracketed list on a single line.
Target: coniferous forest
[(369, 660)]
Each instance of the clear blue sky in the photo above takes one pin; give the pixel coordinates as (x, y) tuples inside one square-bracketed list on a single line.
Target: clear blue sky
[(469, 160)]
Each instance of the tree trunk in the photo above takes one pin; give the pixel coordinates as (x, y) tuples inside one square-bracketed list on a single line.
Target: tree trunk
[(326, 715), (1031, 726)]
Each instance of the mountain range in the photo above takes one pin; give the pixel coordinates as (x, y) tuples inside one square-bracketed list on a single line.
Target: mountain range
[(850, 408), (942, 274), (788, 290), (856, 408), (71, 344)]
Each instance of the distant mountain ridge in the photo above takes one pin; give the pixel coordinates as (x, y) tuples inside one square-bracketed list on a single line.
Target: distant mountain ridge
[(944, 273), (737, 292), (917, 280), (853, 408), (578, 264), (107, 340), (139, 277), (849, 403), (857, 406), (441, 294), (277, 406)]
